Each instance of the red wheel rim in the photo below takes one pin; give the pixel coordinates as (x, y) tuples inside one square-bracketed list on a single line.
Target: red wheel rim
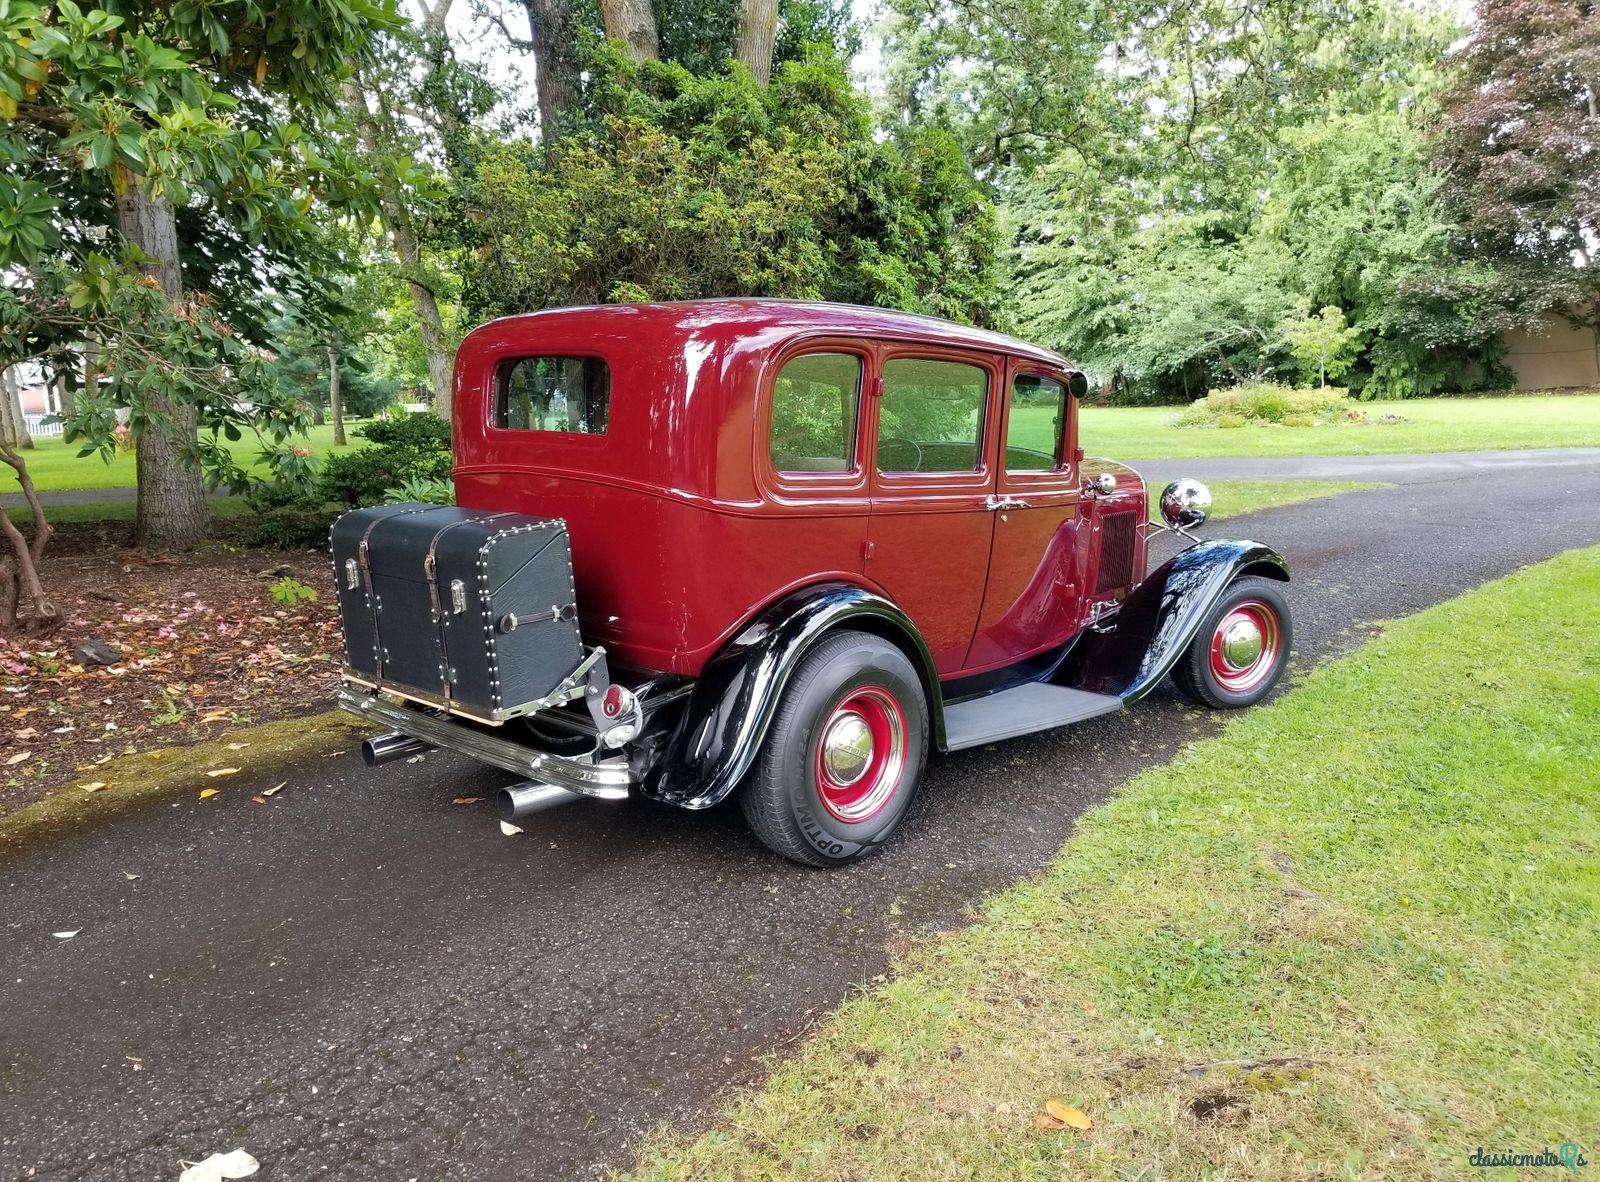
[(1245, 646), (860, 754)]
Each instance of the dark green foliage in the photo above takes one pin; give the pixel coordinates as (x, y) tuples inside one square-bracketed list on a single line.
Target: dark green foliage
[(290, 527), (415, 447), (683, 185), (285, 517)]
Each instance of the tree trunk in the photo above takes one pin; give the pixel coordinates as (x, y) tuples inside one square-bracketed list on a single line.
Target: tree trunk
[(13, 423), (335, 406), (758, 29), (554, 60), (19, 570), (633, 22), (171, 508), (397, 220)]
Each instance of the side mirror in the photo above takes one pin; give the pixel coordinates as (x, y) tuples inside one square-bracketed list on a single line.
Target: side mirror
[(1185, 503), (1077, 385)]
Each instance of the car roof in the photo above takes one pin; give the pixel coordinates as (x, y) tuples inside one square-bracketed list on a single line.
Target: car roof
[(756, 314)]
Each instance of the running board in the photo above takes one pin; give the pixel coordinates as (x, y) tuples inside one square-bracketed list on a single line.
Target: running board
[(1020, 710)]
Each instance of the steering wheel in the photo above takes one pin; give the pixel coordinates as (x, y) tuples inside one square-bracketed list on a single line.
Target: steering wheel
[(915, 447)]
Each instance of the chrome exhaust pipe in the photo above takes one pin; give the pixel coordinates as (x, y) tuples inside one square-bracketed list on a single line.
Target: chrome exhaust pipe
[(518, 800), (382, 749)]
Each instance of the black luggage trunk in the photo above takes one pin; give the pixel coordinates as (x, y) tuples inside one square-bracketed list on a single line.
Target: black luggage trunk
[(462, 608)]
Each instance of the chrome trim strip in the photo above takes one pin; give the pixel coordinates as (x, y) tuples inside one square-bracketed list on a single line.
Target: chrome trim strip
[(608, 781)]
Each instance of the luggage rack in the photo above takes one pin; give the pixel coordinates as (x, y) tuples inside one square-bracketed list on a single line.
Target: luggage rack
[(590, 673), (608, 779)]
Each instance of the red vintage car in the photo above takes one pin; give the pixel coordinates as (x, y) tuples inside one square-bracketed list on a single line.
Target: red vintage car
[(778, 549)]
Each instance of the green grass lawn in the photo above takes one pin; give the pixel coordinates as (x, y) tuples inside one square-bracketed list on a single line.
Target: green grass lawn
[(122, 511), (1124, 433), (56, 465), (1437, 424), (1233, 497), (1355, 936)]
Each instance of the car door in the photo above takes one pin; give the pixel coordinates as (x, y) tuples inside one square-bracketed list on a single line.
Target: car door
[(1034, 596), (933, 473)]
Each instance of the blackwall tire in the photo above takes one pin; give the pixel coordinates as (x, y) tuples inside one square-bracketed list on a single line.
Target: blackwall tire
[(843, 757), (1215, 669)]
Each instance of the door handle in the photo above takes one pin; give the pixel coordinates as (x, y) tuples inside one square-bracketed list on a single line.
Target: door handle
[(993, 502)]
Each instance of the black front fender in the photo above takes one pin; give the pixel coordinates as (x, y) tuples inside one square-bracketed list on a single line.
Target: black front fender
[(1161, 617), (734, 698)]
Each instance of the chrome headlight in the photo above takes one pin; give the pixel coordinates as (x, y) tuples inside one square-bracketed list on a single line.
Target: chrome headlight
[(1185, 503)]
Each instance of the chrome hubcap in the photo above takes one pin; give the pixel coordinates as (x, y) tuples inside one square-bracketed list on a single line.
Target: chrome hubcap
[(1241, 642), (847, 749), (860, 754), (1245, 648)]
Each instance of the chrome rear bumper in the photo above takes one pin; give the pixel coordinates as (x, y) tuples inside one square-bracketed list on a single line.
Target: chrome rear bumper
[(608, 780)]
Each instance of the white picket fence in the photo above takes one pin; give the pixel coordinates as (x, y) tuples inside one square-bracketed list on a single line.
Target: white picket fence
[(42, 425)]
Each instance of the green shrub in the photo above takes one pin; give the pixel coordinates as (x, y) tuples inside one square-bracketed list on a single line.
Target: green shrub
[(418, 431), (1263, 404), (286, 516), (437, 492), (413, 448), (289, 527)]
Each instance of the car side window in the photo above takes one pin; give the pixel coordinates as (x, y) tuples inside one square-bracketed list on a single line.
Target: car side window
[(930, 418), (816, 400), (1033, 426), (570, 394)]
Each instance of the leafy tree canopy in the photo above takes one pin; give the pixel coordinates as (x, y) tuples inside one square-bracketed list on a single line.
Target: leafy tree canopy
[(685, 185)]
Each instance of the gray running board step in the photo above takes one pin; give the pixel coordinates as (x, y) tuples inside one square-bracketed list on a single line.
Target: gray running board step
[(1020, 711)]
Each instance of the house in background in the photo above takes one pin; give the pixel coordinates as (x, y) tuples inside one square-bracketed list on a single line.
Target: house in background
[(37, 398), (1554, 356)]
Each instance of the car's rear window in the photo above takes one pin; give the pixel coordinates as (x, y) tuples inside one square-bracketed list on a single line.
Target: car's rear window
[(569, 394), (815, 402)]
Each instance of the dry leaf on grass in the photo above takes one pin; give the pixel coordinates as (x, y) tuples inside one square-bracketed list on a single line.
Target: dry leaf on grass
[(94, 787), (18, 758), (216, 716), (222, 771), (509, 829), (1068, 1116), (208, 793), (237, 746), (466, 800), (218, 1166)]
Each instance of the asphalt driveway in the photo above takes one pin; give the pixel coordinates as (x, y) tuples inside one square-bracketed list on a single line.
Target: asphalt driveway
[(361, 980)]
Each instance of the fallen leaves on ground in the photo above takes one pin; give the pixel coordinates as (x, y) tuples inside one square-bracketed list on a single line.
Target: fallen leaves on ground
[(208, 793), (466, 800), (94, 787), (275, 789), (223, 771), (66, 935), (218, 1166), (1057, 1115), (509, 829), (203, 644)]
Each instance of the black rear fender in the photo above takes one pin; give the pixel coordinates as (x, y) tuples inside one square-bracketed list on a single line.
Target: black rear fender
[(722, 727)]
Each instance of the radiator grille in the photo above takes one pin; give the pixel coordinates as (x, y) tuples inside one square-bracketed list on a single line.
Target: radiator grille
[(1118, 533)]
